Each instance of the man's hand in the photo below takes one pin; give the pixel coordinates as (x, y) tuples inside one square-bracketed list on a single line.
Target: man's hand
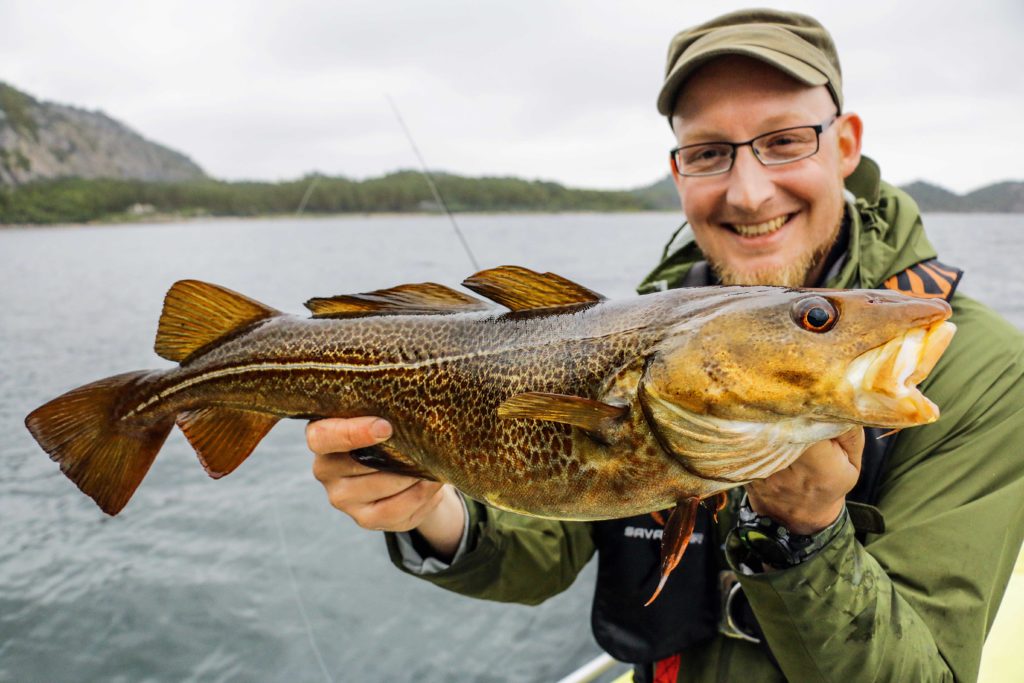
[(809, 495), (381, 500)]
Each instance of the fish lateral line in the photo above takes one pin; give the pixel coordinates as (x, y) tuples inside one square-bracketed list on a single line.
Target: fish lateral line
[(285, 367), (339, 367)]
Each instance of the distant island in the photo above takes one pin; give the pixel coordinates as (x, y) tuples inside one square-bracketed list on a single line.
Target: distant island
[(63, 164)]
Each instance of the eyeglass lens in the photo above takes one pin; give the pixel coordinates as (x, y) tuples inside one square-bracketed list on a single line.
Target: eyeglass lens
[(779, 147)]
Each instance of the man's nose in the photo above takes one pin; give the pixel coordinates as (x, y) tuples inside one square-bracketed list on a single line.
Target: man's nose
[(749, 183)]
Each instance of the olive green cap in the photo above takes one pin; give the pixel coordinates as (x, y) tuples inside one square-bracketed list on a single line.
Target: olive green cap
[(796, 44)]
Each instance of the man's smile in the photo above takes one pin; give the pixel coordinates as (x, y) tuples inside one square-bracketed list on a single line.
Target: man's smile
[(761, 228)]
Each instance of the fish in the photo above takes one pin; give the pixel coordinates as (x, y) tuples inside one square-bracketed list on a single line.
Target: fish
[(538, 396)]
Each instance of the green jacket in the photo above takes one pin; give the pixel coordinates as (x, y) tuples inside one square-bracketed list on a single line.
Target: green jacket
[(911, 604)]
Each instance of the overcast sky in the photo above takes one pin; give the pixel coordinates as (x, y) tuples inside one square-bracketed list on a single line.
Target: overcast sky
[(557, 90)]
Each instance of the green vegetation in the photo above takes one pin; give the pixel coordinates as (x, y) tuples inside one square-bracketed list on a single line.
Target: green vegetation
[(15, 105), (75, 200)]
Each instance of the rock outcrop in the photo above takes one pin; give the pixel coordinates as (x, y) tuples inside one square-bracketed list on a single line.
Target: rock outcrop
[(48, 140)]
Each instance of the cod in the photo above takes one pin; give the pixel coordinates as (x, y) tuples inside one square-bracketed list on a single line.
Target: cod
[(561, 404)]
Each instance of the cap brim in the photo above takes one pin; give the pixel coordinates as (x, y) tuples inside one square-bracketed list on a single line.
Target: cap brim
[(801, 71)]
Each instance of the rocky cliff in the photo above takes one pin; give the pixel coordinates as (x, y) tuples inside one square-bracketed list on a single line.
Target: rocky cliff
[(48, 140)]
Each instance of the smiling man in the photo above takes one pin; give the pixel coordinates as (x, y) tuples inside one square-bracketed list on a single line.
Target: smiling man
[(754, 225), (867, 559)]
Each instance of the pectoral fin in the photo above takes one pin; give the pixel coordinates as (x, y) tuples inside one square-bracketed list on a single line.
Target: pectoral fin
[(716, 502), (675, 538), (589, 415)]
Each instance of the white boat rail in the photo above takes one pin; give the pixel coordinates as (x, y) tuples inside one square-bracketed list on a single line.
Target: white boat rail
[(591, 670)]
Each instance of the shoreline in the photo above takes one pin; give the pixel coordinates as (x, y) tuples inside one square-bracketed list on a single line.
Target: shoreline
[(168, 218), (159, 219)]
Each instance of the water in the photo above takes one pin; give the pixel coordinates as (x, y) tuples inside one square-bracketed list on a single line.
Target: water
[(192, 582)]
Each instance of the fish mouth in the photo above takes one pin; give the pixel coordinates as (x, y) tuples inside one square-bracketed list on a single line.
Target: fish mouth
[(885, 378)]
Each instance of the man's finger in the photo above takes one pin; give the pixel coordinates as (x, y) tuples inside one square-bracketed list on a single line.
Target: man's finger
[(395, 511), (852, 442), (341, 435), (331, 466)]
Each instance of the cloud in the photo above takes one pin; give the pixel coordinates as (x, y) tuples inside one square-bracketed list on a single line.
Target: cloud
[(557, 90)]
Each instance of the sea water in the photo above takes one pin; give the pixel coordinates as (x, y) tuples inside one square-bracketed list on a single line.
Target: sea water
[(255, 577)]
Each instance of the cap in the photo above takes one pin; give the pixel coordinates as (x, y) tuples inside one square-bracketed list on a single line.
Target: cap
[(796, 44)]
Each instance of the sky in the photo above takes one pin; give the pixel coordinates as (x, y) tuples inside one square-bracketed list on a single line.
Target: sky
[(557, 90)]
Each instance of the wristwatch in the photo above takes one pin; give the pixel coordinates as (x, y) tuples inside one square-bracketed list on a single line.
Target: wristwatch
[(758, 540)]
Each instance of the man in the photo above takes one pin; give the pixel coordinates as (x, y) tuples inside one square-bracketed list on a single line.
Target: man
[(904, 591)]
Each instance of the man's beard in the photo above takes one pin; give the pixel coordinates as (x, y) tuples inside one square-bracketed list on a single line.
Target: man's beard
[(793, 274)]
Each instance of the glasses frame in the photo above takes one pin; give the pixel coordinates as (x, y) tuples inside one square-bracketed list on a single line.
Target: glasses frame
[(817, 128)]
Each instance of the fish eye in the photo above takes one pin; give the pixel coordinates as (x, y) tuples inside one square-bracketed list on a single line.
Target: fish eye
[(815, 314)]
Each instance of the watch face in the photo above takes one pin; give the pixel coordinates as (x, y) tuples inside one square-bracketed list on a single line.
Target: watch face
[(767, 548)]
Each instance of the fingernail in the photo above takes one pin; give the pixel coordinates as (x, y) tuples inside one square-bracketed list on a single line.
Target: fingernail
[(380, 429)]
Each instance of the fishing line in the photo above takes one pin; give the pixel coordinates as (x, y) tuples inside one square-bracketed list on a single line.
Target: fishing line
[(476, 266), (305, 197), (295, 591), (433, 188)]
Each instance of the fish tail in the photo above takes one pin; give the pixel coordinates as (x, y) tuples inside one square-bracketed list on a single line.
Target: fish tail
[(104, 452)]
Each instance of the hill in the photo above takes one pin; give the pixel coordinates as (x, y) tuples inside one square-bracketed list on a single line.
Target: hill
[(42, 140), (1004, 197), (64, 164), (934, 198)]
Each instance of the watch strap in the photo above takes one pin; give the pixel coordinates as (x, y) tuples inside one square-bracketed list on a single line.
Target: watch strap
[(758, 540)]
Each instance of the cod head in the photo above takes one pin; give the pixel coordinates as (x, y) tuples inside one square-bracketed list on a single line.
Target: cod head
[(763, 371)]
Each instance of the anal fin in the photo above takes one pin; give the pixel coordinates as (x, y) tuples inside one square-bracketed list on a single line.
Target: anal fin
[(224, 437), (385, 459), (675, 538)]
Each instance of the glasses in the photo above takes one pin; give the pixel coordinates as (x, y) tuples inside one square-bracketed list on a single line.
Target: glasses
[(771, 149)]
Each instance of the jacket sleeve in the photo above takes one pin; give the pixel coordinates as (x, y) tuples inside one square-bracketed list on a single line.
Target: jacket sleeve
[(512, 558), (916, 602)]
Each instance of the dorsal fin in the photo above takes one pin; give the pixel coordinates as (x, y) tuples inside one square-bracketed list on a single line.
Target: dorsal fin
[(415, 299), (521, 289), (198, 313)]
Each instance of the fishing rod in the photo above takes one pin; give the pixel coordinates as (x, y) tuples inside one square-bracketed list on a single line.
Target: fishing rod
[(603, 663), (306, 196), (433, 187), (426, 175), (476, 267), (282, 544)]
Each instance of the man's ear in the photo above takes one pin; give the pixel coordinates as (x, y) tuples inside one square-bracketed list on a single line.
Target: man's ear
[(851, 128)]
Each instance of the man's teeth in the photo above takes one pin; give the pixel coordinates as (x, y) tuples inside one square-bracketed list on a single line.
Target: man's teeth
[(755, 229)]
